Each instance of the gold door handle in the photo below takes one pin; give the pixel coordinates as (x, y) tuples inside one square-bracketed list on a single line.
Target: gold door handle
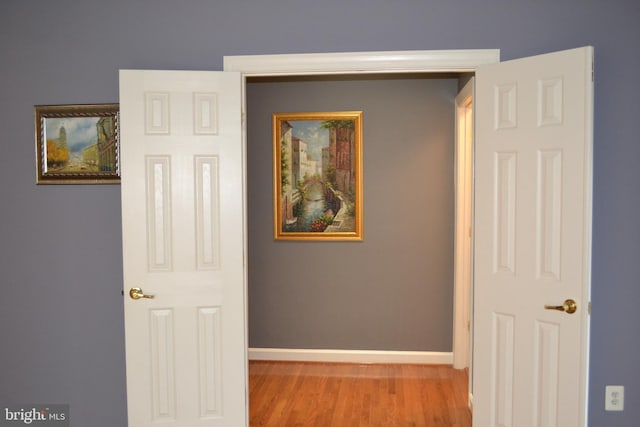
[(136, 293), (568, 307)]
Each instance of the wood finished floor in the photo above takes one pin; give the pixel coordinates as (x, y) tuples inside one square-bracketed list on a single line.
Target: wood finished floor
[(283, 394)]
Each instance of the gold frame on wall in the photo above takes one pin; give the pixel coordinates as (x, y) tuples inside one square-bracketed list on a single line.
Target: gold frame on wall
[(77, 144), (317, 179)]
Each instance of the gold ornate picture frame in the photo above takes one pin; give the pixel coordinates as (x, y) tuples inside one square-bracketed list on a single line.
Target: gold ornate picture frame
[(77, 144), (317, 180)]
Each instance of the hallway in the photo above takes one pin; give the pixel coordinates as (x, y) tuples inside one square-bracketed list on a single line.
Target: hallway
[(340, 394)]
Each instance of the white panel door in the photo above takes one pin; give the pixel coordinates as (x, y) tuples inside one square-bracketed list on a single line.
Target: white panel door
[(532, 240), (183, 242)]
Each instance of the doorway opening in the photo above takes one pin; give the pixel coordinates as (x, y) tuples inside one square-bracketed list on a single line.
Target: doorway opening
[(354, 66), (407, 257)]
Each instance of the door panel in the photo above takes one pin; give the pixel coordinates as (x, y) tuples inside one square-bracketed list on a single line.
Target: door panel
[(532, 243), (183, 237)]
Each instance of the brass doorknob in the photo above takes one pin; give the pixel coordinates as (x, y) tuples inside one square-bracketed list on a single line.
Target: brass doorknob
[(136, 293), (568, 307)]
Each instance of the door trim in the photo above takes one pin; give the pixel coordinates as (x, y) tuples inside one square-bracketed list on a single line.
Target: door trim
[(463, 244), (425, 61), (391, 62)]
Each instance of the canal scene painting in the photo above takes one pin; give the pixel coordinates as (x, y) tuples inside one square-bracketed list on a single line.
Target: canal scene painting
[(77, 144), (317, 159)]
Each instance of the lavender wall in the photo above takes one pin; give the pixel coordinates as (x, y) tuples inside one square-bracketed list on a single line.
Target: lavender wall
[(60, 306)]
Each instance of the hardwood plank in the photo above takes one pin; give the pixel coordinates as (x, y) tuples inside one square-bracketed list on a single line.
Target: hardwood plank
[(342, 394)]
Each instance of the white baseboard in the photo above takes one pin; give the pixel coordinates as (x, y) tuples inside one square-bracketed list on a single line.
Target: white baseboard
[(351, 356)]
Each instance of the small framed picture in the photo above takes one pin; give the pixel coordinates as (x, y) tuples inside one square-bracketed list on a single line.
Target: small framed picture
[(77, 144), (317, 162)]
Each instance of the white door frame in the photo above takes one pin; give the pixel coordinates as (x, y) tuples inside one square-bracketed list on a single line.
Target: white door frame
[(393, 62), (462, 277)]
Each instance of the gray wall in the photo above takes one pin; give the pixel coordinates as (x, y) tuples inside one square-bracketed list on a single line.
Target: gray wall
[(394, 290), (60, 305)]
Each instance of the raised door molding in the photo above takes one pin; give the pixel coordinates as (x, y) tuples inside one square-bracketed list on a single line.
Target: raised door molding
[(362, 62)]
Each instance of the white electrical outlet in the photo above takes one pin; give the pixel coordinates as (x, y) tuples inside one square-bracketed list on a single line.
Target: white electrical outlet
[(614, 398)]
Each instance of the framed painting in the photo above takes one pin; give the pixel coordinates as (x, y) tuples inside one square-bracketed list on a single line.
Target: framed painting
[(317, 180), (77, 144)]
